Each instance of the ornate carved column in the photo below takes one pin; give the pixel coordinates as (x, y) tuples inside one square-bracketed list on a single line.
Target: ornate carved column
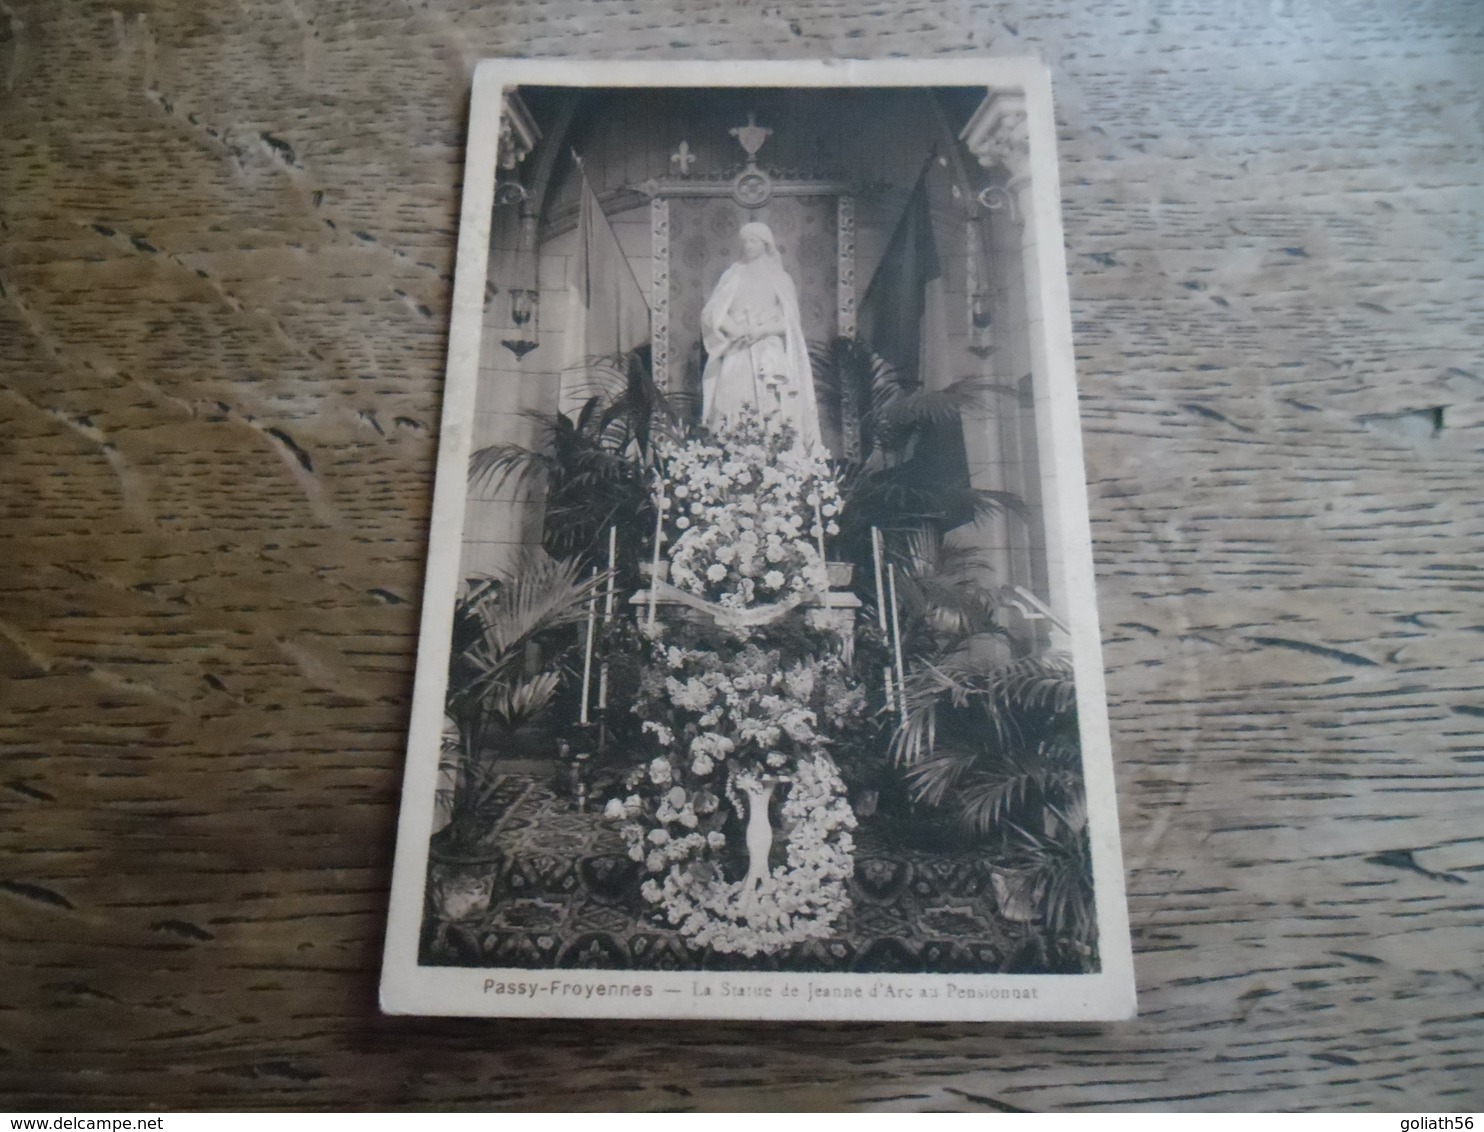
[(659, 292), (845, 265), (996, 136), (518, 131)]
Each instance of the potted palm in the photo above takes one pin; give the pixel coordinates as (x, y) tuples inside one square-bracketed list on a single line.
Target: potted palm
[(511, 640), (595, 466), (899, 449), (995, 746)]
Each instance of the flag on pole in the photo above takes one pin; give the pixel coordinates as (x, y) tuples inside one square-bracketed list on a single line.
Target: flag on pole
[(609, 314), (903, 318), (892, 312)]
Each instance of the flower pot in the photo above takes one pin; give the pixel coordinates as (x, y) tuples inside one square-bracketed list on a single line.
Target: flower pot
[(460, 896), (840, 574), (1017, 894)]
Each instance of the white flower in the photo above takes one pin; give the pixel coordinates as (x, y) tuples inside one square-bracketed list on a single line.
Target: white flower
[(702, 765), (716, 840), (716, 572), (613, 811), (662, 733), (660, 772), (658, 836), (682, 522), (773, 579)]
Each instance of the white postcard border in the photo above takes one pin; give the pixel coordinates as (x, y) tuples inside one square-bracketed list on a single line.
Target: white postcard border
[(406, 987)]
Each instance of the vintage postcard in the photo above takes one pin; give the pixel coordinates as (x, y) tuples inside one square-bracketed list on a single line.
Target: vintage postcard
[(759, 673)]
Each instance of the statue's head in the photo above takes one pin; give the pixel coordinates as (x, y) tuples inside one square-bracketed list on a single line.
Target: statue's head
[(757, 241)]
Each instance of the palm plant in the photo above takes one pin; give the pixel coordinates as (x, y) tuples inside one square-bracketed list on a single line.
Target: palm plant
[(997, 745), (893, 442), (1057, 868), (995, 742), (944, 602), (597, 466), (506, 662)]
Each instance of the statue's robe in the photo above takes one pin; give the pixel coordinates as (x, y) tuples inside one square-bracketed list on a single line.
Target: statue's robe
[(772, 375)]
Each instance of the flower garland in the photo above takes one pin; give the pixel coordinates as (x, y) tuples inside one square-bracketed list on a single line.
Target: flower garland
[(797, 902), (718, 710), (747, 513)]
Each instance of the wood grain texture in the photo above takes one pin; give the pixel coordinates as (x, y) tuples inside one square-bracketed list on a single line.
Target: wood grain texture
[(226, 239)]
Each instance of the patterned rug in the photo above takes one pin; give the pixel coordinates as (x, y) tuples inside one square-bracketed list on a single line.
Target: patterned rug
[(557, 889)]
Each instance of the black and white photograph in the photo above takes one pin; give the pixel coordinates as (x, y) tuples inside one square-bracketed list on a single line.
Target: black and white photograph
[(759, 673)]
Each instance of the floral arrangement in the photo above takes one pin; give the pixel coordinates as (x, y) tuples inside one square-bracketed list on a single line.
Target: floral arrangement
[(720, 710), (746, 514), (797, 902)]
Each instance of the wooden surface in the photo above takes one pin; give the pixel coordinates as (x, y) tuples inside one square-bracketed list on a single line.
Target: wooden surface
[(226, 239)]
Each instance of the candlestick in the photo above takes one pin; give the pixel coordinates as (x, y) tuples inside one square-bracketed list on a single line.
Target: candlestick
[(579, 781), (819, 526), (587, 659)]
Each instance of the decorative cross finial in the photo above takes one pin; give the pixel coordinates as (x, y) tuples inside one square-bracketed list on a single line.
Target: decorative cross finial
[(683, 158), (751, 136)]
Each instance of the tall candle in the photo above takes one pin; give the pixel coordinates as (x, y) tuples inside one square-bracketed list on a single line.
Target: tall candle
[(819, 525), (896, 627), (659, 537), (612, 568), (608, 615), (587, 659), (876, 555)]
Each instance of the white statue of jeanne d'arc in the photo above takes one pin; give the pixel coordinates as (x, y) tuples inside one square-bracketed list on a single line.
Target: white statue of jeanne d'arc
[(756, 355)]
